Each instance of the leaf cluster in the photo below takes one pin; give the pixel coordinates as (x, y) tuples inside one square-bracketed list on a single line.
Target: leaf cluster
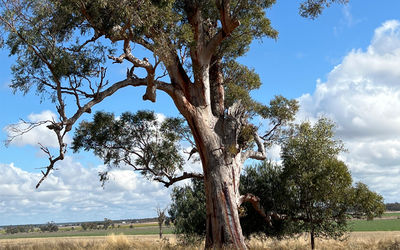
[(42, 36), (139, 140), (366, 203), (313, 8)]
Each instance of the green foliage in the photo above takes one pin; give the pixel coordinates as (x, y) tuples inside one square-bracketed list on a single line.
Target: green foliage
[(188, 212), (49, 227), (313, 8), (19, 229), (366, 203), (239, 81), (312, 190), (89, 225), (316, 182), (264, 181), (57, 41), (393, 206), (38, 33), (138, 140)]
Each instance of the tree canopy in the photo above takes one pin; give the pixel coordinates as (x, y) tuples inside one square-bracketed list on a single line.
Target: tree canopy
[(317, 183), (141, 140)]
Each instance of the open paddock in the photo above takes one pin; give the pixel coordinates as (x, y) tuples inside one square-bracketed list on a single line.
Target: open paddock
[(354, 241)]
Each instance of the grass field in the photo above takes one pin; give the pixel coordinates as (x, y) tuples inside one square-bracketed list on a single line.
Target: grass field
[(390, 214), (355, 241), (375, 225), (139, 230)]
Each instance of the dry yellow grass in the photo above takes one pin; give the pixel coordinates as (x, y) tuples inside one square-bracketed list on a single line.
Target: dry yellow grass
[(355, 241), (120, 242)]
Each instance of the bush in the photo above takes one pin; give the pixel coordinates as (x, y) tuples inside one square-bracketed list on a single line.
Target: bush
[(49, 227), (89, 225)]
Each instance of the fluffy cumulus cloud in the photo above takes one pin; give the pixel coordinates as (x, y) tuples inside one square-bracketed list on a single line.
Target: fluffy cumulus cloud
[(362, 95), (34, 131), (74, 193)]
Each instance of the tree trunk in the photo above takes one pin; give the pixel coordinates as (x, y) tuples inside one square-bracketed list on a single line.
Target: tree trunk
[(223, 226), (222, 191), (312, 239), (221, 167)]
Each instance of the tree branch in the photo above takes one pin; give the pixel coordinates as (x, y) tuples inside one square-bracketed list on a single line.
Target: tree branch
[(172, 180), (268, 136), (15, 130), (229, 24), (255, 202), (260, 154)]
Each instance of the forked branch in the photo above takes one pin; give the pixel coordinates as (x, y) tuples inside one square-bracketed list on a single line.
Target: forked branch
[(255, 202)]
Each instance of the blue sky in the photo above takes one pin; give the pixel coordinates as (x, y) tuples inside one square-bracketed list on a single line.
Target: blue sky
[(344, 65)]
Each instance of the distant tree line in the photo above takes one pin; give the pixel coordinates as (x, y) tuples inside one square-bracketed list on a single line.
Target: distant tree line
[(49, 227), (98, 225), (19, 229), (393, 206)]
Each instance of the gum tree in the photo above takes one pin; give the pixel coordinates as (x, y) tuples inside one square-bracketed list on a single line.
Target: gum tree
[(63, 47)]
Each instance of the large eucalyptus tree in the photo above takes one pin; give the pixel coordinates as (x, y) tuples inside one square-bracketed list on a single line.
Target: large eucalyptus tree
[(62, 48)]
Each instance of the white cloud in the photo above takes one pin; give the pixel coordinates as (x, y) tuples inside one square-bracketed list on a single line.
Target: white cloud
[(347, 20), (40, 134), (74, 193), (362, 95)]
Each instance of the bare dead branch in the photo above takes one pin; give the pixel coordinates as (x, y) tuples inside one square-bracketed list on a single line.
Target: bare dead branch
[(15, 130), (52, 160)]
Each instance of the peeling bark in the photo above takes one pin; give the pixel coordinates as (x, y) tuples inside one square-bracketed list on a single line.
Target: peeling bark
[(217, 88), (223, 224), (221, 171)]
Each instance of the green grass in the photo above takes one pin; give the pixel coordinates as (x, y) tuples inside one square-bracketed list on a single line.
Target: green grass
[(391, 215), (126, 231), (375, 225)]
